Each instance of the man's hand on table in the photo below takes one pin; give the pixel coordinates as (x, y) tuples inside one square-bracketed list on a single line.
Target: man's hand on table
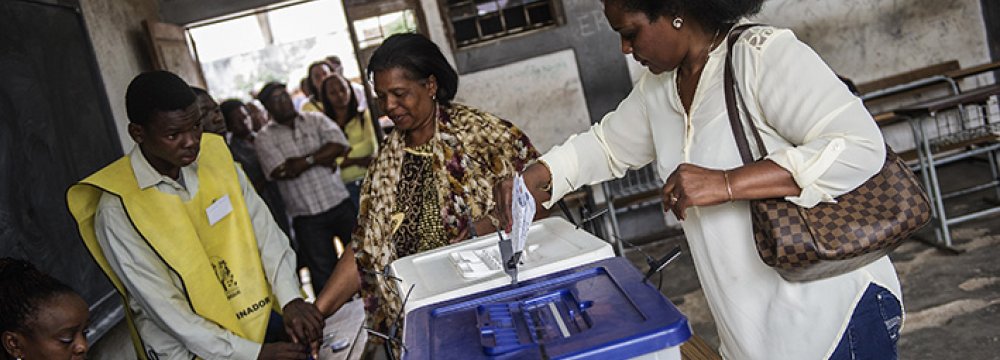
[(303, 323)]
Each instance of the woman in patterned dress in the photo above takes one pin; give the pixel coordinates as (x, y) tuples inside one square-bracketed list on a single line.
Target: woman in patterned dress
[(431, 184)]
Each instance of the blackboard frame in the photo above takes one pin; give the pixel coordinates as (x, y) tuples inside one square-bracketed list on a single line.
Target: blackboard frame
[(106, 308)]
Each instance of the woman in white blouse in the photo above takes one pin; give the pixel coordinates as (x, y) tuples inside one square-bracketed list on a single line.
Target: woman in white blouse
[(823, 143)]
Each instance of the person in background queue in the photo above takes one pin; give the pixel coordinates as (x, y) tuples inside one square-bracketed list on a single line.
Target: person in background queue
[(299, 151), (341, 105), (241, 143), (318, 71), (359, 90), (211, 116)]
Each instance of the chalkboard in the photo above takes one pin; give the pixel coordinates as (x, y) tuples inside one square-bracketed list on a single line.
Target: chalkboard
[(55, 128)]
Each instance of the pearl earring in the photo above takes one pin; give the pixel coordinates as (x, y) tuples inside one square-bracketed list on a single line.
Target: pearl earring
[(678, 22)]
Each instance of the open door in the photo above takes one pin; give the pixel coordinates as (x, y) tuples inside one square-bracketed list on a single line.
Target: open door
[(169, 51), (371, 22)]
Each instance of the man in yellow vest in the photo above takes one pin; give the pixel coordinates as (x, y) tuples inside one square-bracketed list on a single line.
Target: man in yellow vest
[(202, 266)]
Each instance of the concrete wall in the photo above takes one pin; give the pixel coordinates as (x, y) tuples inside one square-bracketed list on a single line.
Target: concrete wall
[(543, 96), (115, 28), (436, 28), (600, 71), (871, 39), (188, 11)]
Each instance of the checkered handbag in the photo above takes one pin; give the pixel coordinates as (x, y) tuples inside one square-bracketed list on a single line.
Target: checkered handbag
[(829, 239)]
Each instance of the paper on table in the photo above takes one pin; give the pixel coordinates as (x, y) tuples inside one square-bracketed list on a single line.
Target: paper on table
[(522, 210)]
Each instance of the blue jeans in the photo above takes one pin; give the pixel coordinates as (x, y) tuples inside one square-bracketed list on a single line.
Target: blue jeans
[(874, 328), (314, 235)]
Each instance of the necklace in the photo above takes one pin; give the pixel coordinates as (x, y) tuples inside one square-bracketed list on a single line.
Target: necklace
[(704, 54)]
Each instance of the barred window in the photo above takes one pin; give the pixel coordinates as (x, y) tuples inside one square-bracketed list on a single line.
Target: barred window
[(476, 21)]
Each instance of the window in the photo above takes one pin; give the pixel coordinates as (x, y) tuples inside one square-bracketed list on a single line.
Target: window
[(241, 52), (476, 21), (371, 31)]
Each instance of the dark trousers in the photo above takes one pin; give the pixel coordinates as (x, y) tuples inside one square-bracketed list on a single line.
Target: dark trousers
[(275, 329), (272, 197), (314, 235), (354, 188)]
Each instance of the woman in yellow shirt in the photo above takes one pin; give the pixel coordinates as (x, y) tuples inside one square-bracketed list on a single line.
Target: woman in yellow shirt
[(341, 105)]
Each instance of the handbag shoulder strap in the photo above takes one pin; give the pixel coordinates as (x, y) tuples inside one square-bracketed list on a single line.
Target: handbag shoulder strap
[(730, 85)]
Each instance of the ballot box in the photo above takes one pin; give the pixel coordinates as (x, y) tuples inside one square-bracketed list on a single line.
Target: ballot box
[(601, 310), (472, 266)]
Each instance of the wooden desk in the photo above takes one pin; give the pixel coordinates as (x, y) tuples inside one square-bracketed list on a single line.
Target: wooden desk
[(909, 76), (975, 70), (931, 107), (348, 323), (888, 118), (697, 349)]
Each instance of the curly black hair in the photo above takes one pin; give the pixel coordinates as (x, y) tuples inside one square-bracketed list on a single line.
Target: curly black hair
[(22, 289), (421, 58), (712, 14)]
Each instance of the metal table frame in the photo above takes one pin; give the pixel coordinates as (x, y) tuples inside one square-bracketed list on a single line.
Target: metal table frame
[(928, 160)]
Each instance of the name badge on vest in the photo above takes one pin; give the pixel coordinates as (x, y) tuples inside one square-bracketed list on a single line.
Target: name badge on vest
[(219, 209)]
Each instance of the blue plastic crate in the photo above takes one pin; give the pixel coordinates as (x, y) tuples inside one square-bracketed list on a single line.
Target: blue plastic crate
[(601, 310)]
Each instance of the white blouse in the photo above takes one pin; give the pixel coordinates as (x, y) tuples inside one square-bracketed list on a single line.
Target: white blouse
[(812, 126)]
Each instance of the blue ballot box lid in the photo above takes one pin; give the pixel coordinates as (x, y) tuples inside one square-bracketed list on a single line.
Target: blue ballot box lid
[(601, 310)]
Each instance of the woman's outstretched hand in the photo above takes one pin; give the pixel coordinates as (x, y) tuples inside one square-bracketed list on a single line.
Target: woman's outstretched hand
[(537, 178), (502, 195)]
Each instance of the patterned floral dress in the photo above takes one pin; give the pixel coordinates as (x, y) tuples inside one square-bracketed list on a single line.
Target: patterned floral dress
[(421, 198)]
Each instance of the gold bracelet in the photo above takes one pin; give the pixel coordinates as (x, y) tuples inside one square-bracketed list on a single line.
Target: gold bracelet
[(729, 188), (547, 187)]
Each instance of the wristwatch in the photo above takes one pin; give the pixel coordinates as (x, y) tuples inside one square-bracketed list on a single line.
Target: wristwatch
[(310, 160)]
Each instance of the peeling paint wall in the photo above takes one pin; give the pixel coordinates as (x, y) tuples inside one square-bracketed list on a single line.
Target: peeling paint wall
[(870, 39), (549, 113), (115, 28)]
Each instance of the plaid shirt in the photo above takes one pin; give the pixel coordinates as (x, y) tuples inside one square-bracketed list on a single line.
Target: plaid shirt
[(317, 189)]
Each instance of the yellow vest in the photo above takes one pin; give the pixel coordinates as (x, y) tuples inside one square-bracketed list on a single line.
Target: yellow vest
[(218, 264)]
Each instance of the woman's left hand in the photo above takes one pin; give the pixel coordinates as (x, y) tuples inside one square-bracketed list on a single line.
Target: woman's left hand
[(693, 185)]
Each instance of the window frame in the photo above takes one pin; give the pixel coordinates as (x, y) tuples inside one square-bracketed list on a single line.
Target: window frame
[(558, 20)]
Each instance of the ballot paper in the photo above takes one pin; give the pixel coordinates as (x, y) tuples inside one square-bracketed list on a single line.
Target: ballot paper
[(522, 211)]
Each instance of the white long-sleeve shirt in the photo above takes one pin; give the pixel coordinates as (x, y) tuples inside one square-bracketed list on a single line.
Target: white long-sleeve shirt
[(163, 316), (812, 126)]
